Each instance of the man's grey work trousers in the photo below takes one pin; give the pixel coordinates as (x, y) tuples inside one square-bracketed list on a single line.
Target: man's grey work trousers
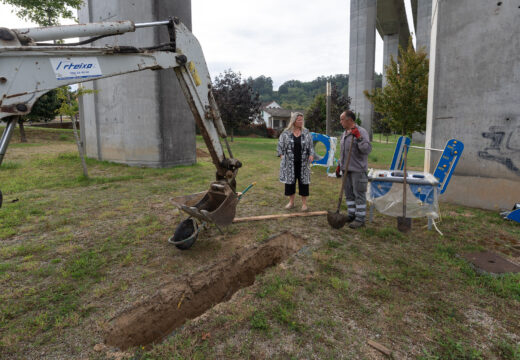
[(356, 194)]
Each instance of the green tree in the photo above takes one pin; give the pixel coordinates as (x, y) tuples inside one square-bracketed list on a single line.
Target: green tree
[(44, 109), (263, 86), (70, 107), (339, 104), (315, 116), (380, 126), (45, 12), (239, 105), (403, 101)]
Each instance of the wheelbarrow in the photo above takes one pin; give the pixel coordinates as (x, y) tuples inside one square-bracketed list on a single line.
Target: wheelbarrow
[(216, 206)]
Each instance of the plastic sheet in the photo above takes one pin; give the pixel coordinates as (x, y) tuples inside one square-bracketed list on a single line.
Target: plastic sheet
[(386, 193)]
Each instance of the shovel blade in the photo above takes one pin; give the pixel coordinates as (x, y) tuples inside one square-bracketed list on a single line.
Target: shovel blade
[(336, 220), (404, 224)]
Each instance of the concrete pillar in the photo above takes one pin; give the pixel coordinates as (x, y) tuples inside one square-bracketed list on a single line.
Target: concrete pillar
[(404, 33), (390, 49), (140, 118), (476, 100), (362, 57), (423, 25)]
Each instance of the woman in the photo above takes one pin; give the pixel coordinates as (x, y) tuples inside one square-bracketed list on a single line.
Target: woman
[(296, 149)]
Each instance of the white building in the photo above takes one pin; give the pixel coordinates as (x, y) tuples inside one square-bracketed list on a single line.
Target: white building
[(274, 116)]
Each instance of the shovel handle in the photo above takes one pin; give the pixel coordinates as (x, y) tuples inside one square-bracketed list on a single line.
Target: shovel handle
[(344, 178), (404, 181)]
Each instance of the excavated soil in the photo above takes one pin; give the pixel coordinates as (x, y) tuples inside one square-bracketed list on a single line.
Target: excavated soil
[(151, 320)]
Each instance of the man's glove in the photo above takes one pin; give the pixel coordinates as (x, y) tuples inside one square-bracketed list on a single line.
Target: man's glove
[(355, 131), (338, 171)]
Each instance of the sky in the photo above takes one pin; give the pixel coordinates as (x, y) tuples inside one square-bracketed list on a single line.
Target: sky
[(285, 40)]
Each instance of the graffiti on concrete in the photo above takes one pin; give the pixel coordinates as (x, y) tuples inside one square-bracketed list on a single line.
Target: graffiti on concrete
[(504, 147)]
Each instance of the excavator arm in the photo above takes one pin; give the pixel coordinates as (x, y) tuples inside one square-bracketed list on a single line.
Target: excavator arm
[(29, 68)]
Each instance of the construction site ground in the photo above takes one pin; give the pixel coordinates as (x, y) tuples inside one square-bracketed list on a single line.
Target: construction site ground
[(76, 253)]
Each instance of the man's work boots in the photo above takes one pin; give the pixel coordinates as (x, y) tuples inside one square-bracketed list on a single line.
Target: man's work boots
[(356, 224)]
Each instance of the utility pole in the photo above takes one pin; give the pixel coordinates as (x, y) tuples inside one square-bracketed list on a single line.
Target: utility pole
[(327, 121)]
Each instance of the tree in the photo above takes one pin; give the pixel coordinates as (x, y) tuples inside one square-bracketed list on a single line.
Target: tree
[(43, 109), (403, 101), (263, 86), (238, 104), (315, 116), (70, 107), (339, 104), (380, 126), (45, 12)]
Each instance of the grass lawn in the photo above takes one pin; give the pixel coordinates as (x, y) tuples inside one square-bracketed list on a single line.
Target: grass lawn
[(75, 252)]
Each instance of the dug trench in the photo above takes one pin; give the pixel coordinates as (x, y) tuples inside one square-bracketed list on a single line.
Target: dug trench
[(153, 319)]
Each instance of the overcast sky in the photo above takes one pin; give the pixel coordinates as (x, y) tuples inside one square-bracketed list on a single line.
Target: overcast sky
[(286, 40), (290, 39)]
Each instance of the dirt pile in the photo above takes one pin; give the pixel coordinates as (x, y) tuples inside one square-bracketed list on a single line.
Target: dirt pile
[(188, 297)]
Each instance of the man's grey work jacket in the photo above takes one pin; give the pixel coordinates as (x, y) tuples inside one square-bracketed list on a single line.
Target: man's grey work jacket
[(360, 150)]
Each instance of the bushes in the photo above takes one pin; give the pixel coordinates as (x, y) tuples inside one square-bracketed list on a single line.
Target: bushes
[(259, 130), (256, 130), (272, 133)]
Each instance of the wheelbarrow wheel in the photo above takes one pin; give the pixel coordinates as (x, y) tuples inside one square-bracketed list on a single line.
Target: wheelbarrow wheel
[(185, 234)]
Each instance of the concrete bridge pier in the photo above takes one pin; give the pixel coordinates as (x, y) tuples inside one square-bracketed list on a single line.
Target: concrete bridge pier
[(362, 57), (388, 17), (140, 118), (391, 49)]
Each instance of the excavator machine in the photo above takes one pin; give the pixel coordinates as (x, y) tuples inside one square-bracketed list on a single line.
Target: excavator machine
[(30, 66)]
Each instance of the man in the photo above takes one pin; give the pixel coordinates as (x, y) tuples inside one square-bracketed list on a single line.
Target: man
[(357, 180)]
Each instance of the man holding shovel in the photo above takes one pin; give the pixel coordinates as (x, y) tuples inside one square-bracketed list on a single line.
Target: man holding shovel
[(357, 181)]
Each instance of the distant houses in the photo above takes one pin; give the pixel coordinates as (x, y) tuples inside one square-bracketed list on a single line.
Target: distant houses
[(274, 116)]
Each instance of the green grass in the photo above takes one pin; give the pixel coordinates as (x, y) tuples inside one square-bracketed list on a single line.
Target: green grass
[(75, 251), (259, 321)]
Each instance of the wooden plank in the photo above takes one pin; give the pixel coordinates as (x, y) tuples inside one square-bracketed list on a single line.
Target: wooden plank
[(279, 216), (380, 347)]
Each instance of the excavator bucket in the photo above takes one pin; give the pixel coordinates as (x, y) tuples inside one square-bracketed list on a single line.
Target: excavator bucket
[(217, 205)]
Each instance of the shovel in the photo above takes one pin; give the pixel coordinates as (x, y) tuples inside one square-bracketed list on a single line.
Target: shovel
[(335, 219), (404, 224)]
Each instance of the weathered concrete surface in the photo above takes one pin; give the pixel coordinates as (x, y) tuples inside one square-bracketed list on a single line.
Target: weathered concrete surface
[(477, 97), (389, 18), (423, 24), (140, 118), (390, 50), (485, 193), (362, 57)]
